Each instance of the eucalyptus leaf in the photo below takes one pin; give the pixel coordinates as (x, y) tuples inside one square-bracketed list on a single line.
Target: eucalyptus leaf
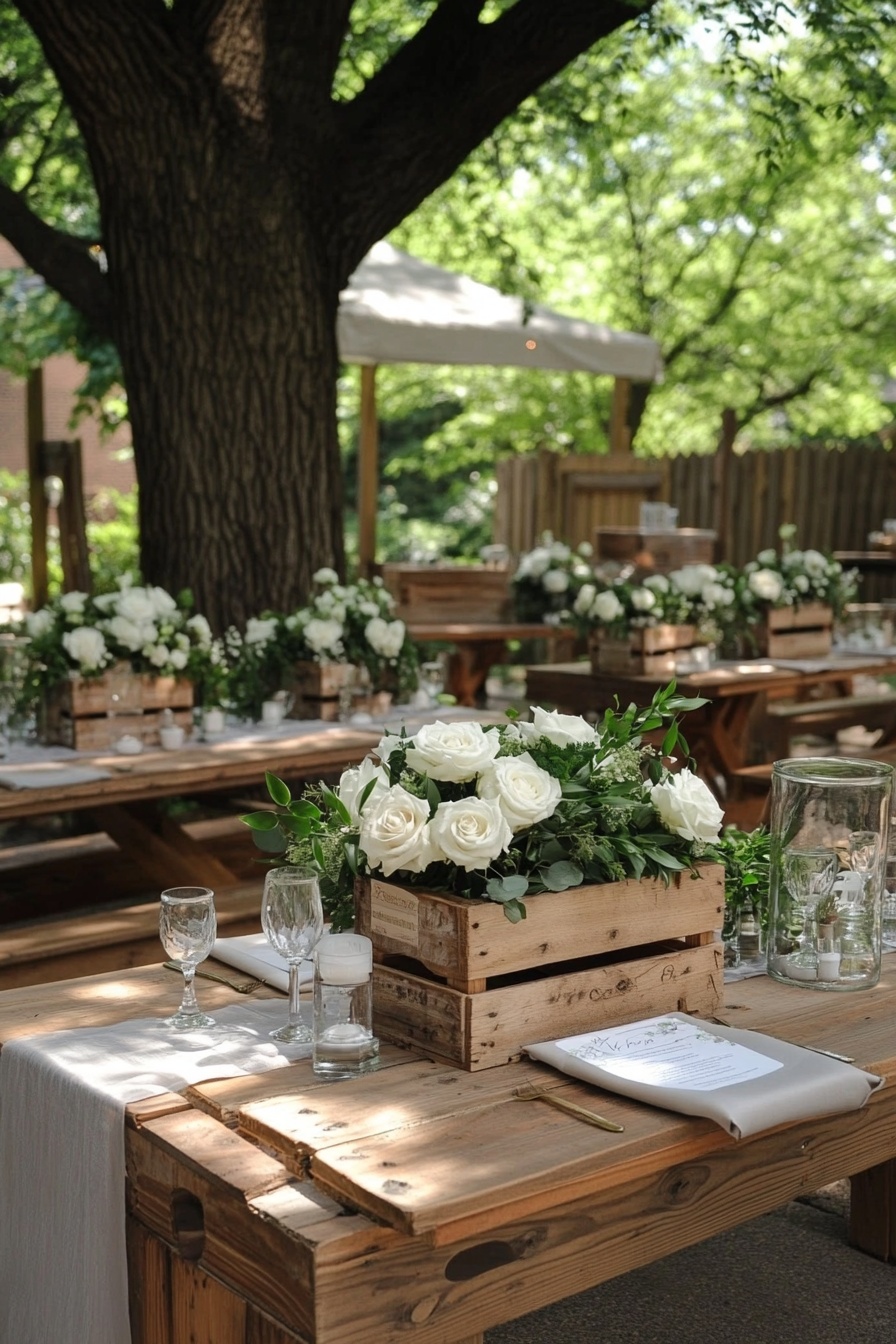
[(561, 876)]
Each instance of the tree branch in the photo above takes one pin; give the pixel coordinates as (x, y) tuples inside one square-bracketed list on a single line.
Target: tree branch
[(63, 260), (442, 94)]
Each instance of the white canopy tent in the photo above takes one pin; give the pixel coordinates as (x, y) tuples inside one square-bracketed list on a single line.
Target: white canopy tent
[(397, 309)]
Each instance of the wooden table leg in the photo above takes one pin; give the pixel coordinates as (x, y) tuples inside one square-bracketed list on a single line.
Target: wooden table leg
[(872, 1211), (468, 667), (168, 857)]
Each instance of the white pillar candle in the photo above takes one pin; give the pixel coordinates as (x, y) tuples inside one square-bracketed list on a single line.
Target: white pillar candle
[(344, 958)]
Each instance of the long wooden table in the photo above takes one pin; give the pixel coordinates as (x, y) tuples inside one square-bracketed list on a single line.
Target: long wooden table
[(123, 804), (422, 1203), (718, 734)]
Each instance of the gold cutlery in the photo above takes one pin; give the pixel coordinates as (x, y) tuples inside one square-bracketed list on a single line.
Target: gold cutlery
[(531, 1092), (241, 986)]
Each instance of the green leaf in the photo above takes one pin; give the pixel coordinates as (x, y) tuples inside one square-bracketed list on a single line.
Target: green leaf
[(514, 911), (261, 821), (271, 842), (507, 888), (278, 790), (561, 876), (336, 803)]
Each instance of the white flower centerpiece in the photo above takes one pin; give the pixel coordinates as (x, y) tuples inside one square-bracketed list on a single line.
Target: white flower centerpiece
[(548, 578), (504, 812), (788, 600), (134, 632)]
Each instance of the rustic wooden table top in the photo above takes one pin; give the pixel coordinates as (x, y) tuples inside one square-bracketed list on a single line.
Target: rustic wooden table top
[(423, 1202)]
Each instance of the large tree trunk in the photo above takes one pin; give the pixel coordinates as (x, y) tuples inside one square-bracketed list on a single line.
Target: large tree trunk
[(231, 387)]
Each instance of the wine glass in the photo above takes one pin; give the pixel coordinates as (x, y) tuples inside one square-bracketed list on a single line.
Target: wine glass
[(187, 928), (809, 875), (864, 852), (293, 921), (432, 680)]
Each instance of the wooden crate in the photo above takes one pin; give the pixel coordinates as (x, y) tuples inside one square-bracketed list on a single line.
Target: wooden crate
[(81, 712), (650, 651), (456, 980), (805, 631), (449, 593), (318, 688)]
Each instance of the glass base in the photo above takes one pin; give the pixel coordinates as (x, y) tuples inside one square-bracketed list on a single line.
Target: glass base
[(189, 1021), (298, 1034)]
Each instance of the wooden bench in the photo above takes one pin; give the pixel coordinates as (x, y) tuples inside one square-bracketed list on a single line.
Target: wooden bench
[(749, 790), (115, 938), (786, 719)]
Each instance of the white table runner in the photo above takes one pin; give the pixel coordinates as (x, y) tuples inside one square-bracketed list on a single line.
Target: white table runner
[(63, 1264)]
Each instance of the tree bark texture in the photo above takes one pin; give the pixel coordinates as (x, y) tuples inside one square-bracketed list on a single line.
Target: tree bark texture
[(237, 195)]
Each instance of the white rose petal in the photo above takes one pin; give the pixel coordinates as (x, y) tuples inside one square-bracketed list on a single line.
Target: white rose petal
[(687, 807), (395, 833), (471, 832), (562, 729), (525, 792), (355, 780), (453, 752)]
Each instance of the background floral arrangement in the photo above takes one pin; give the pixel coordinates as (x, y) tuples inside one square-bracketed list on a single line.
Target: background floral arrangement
[(701, 595), (548, 578), (77, 634), (793, 577), (503, 812)]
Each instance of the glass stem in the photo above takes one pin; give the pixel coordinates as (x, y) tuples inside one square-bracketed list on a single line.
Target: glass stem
[(295, 1015), (188, 1003)]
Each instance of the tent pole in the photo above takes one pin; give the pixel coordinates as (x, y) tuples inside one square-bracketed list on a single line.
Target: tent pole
[(368, 472), (620, 433)]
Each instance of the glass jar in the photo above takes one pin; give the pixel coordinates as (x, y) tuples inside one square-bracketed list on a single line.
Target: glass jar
[(829, 826), (343, 1041)]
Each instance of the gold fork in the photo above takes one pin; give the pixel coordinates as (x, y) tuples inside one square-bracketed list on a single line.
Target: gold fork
[(241, 986), (531, 1092)]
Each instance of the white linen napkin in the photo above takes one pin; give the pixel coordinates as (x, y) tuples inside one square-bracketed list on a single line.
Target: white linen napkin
[(63, 1265), (254, 955), (49, 775)]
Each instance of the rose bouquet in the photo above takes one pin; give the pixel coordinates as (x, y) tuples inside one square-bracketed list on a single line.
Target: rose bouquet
[(792, 578), (352, 623), (548, 578), (80, 635), (503, 812)]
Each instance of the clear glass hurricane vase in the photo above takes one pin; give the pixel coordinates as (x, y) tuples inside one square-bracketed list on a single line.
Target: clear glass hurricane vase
[(829, 825), (187, 928), (293, 921)]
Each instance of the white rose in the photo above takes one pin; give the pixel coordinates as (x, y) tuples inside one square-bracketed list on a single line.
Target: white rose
[(385, 637), (607, 607), (657, 582), (766, 584), (136, 605), (801, 583), (158, 655), (687, 807), (395, 832), (585, 596), (562, 729), (37, 623), (325, 576), (178, 659), (643, 599), (453, 751), (126, 633), (555, 581), (324, 636), (716, 595), (355, 780), (525, 792), (260, 631), (73, 603), (815, 564), (471, 832), (163, 603), (85, 646), (585, 548), (767, 557), (690, 579), (201, 629)]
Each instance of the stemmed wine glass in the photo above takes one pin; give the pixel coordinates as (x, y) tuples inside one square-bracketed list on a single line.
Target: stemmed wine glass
[(187, 928), (809, 874), (293, 921), (864, 853)]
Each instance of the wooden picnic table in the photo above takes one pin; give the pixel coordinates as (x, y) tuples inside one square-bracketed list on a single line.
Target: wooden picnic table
[(718, 733), (478, 646), (123, 802), (418, 1203)]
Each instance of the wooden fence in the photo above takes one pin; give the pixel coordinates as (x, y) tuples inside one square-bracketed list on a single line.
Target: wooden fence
[(835, 496)]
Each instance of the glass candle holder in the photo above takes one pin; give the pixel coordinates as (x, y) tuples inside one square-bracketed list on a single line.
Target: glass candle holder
[(829, 829), (343, 1041)]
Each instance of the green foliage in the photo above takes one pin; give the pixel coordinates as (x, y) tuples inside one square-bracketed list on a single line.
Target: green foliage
[(746, 856), (113, 538)]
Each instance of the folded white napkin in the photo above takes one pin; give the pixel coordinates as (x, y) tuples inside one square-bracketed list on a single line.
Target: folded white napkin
[(50, 774), (254, 955), (745, 1081), (63, 1266)]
